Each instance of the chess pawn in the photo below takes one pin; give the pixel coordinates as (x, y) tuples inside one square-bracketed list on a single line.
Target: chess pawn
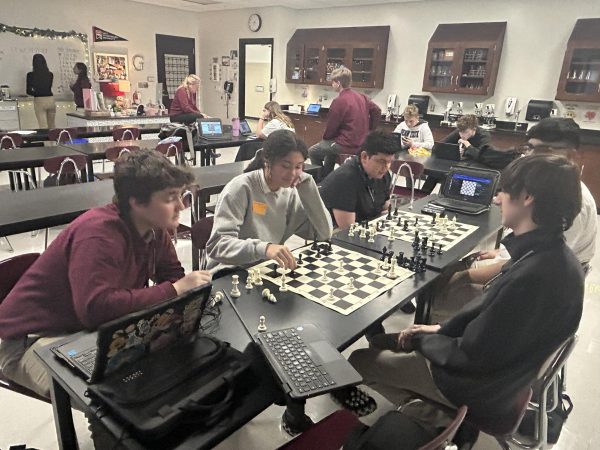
[(351, 284), (392, 275), (351, 230), (340, 268), (331, 296), (262, 325), (378, 270), (235, 280), (258, 278), (372, 235), (265, 293), (324, 278), (453, 225), (272, 298), (249, 282), (392, 233), (363, 233), (283, 287)]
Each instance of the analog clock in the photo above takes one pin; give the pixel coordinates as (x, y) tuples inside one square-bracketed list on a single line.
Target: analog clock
[(254, 22)]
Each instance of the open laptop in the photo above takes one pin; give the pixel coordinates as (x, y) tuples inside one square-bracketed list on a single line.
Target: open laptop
[(313, 108), (444, 150), (210, 129), (245, 129), (468, 190), (128, 339), (305, 363)]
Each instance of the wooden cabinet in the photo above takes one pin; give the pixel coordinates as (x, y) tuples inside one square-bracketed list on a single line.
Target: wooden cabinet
[(463, 58), (309, 128), (580, 74), (312, 54)]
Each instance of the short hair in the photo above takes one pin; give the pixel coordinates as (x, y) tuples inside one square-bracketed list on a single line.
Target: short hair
[(141, 173), (277, 146), (562, 132), (380, 141), (189, 80), (466, 122), (343, 75), (411, 111), (554, 183)]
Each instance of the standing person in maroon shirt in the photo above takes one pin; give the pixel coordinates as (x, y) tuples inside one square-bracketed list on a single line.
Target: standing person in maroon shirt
[(98, 268), (350, 118), (184, 106)]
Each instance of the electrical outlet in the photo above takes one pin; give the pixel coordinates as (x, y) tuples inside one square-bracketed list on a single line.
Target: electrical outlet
[(432, 108)]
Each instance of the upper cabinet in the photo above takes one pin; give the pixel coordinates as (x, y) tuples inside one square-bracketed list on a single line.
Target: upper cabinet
[(580, 75), (312, 54), (463, 58)]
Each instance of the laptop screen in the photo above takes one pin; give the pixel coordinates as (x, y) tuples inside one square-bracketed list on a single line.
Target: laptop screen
[(313, 108), (210, 127), (244, 127), (471, 188)]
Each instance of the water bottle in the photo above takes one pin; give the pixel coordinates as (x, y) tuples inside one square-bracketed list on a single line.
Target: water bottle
[(235, 126)]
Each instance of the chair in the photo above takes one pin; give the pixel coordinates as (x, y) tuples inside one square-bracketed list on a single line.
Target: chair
[(188, 200), (331, 432), (248, 150), (112, 154), (201, 231), (172, 150), (12, 269), (59, 135), (125, 133), (417, 170)]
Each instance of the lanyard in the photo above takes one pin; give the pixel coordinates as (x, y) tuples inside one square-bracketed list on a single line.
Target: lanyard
[(502, 272)]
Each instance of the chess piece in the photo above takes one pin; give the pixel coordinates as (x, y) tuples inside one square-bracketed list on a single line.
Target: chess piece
[(453, 223), (235, 280), (392, 275), (324, 278), (265, 293), (439, 252), (392, 233), (424, 243), (405, 228), (379, 270), (371, 236), (384, 250), (432, 250), (318, 255), (351, 284), (218, 297), (331, 296), (340, 267), (399, 221), (351, 230), (416, 221), (389, 214), (249, 282), (329, 249), (258, 278), (299, 261), (395, 211), (314, 245), (262, 326), (272, 298), (283, 287), (363, 233)]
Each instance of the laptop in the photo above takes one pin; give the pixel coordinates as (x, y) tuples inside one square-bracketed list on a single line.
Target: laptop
[(468, 190), (126, 340), (210, 129), (444, 150), (245, 129), (313, 108), (304, 362)]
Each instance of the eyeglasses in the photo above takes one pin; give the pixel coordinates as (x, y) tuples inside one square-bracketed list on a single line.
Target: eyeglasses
[(528, 149)]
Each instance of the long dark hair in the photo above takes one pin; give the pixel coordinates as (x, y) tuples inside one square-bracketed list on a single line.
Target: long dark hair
[(277, 146), (82, 71), (39, 64)]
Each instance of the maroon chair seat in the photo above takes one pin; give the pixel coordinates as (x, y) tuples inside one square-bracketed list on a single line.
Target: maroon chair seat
[(73, 164), (59, 135), (11, 270), (10, 141), (112, 154), (125, 133), (171, 149)]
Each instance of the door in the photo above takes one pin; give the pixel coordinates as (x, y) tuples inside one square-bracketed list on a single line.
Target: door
[(256, 71), (175, 60)]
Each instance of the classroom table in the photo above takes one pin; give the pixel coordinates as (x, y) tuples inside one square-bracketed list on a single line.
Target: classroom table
[(207, 148)]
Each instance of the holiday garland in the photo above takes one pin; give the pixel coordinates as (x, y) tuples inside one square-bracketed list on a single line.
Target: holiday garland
[(38, 32)]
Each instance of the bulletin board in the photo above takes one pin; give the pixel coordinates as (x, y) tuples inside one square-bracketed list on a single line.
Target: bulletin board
[(61, 50)]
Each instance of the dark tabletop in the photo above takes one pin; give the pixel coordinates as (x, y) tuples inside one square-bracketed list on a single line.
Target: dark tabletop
[(26, 157), (97, 150), (438, 166), (488, 222), (41, 134), (227, 141)]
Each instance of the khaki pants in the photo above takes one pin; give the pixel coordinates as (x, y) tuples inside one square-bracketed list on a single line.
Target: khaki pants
[(45, 111), (397, 376), (452, 300), (19, 363)]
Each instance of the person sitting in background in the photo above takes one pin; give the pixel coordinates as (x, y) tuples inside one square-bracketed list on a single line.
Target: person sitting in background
[(550, 136), (260, 209), (414, 131), (272, 119), (82, 82), (98, 268), (488, 354), (473, 142), (360, 188), (184, 107), (350, 118)]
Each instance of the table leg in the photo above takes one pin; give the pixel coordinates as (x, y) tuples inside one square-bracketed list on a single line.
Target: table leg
[(294, 418), (63, 417), (90, 170), (424, 301)]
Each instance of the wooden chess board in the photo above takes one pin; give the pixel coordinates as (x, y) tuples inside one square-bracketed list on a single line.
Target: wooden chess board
[(340, 265)]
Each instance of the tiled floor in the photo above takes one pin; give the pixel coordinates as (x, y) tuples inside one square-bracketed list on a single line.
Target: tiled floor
[(23, 420)]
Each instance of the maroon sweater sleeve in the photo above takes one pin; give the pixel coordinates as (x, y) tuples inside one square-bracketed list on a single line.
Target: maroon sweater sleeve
[(183, 103), (334, 119), (94, 281)]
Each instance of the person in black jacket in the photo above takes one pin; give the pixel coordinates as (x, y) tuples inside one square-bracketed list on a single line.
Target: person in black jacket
[(473, 142), (39, 84), (491, 351), (82, 82)]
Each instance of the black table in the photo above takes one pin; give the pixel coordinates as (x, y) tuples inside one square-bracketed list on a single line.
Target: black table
[(97, 150), (438, 166), (488, 223), (41, 134), (207, 147)]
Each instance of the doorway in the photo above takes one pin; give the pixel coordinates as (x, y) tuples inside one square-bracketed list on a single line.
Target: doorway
[(175, 60), (256, 71)]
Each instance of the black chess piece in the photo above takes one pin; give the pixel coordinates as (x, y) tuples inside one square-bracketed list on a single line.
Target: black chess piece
[(439, 252), (329, 246), (443, 214), (315, 245), (318, 255), (424, 243), (389, 214), (384, 250), (390, 256), (432, 250), (423, 266), (399, 222), (299, 261), (405, 228), (383, 255), (416, 221), (396, 211), (433, 220)]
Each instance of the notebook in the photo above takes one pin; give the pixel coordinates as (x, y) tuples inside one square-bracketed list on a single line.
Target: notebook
[(468, 190), (126, 340), (210, 129), (305, 363), (444, 150), (313, 108)]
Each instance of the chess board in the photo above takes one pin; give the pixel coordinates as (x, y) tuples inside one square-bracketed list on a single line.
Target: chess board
[(448, 236), (307, 281)]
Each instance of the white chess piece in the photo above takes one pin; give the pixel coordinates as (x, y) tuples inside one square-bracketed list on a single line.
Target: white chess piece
[(392, 275), (272, 298), (283, 287), (265, 293), (392, 233), (378, 269), (258, 278), (453, 223), (324, 278), (235, 280), (363, 233), (262, 325), (218, 297), (331, 296), (351, 230), (372, 232), (249, 282), (340, 268), (351, 284)]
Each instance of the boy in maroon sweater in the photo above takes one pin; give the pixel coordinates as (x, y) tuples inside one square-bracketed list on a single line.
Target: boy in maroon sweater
[(98, 268), (350, 118)]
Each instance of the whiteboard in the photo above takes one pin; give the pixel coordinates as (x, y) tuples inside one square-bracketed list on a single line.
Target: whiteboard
[(16, 54)]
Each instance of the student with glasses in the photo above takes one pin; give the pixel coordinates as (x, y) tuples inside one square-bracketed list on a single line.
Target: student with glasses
[(259, 210)]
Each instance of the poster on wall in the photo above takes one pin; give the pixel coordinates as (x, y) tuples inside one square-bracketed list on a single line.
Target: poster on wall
[(101, 35), (109, 67)]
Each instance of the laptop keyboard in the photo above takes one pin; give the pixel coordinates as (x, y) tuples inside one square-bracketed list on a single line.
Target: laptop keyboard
[(450, 202), (87, 359), (288, 348)]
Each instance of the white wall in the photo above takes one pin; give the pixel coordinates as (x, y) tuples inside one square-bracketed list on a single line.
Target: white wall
[(536, 38), (136, 22)]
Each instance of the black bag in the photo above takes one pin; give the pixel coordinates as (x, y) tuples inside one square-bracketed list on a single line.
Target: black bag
[(191, 383), (556, 417)]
